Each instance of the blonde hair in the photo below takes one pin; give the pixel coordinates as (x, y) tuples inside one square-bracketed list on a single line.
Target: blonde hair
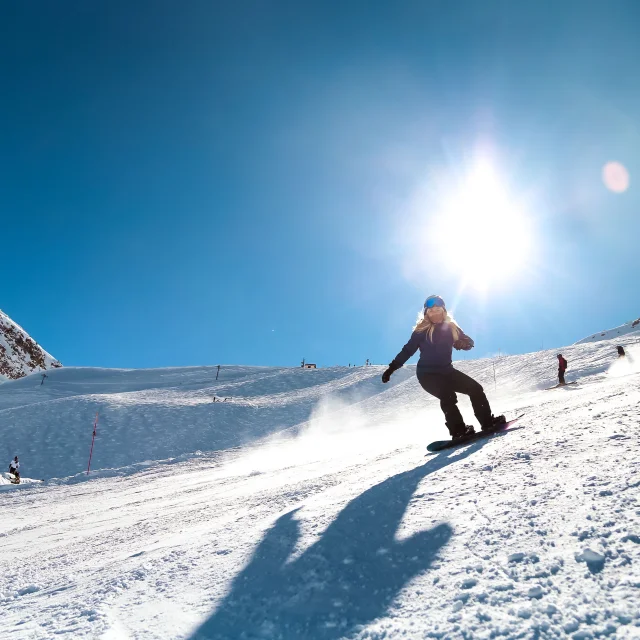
[(424, 324)]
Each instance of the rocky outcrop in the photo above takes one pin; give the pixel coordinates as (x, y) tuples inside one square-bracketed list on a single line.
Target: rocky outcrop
[(20, 354)]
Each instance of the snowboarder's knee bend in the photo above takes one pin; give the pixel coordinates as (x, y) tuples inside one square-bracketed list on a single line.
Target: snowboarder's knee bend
[(475, 390), (448, 400)]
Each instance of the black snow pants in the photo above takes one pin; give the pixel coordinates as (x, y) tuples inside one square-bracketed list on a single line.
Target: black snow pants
[(561, 376), (444, 387)]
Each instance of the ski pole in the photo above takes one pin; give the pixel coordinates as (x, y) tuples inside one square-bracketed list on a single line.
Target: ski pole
[(93, 439)]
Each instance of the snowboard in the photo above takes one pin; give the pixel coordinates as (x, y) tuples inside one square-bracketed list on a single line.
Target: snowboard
[(440, 445)]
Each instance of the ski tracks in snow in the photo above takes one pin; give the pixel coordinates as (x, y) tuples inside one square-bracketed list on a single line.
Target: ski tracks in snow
[(533, 533)]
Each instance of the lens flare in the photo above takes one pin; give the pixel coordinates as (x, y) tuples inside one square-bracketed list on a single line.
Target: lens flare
[(615, 177)]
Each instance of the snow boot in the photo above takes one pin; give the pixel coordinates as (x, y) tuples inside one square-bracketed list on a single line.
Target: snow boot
[(462, 432), (496, 423)]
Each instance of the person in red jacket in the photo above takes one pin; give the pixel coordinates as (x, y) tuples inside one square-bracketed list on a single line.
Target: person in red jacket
[(562, 367), (436, 334)]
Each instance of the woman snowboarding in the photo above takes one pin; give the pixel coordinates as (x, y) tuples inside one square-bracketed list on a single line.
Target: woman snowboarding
[(436, 334)]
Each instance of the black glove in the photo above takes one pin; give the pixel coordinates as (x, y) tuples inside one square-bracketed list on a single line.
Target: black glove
[(465, 343), (386, 376)]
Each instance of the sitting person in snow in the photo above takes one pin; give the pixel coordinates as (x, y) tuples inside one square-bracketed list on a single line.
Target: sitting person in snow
[(621, 353), (14, 468), (436, 334), (562, 367)]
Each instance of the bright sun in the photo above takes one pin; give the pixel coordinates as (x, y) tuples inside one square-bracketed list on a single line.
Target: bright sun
[(480, 233)]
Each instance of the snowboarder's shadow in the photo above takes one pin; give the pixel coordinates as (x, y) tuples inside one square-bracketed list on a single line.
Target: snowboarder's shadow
[(347, 578)]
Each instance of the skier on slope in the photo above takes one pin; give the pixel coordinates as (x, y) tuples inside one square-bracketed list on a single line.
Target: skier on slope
[(621, 353), (435, 334), (14, 468), (562, 367)]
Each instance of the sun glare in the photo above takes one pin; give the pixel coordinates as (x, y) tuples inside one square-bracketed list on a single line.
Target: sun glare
[(482, 234)]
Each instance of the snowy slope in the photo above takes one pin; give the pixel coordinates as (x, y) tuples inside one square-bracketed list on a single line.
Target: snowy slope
[(166, 413), (339, 526), (19, 353), (633, 326), (6, 484)]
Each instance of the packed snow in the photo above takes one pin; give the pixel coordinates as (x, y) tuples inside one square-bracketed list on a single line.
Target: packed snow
[(301, 504), (633, 326)]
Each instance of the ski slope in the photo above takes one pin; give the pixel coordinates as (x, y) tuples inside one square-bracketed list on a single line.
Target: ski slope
[(304, 506), (633, 326)]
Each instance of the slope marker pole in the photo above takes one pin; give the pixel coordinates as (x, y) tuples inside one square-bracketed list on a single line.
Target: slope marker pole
[(93, 439)]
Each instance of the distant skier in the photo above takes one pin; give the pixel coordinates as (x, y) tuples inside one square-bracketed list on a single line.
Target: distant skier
[(14, 468), (562, 367), (436, 334), (621, 353)]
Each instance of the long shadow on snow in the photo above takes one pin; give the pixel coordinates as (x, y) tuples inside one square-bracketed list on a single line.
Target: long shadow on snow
[(349, 577)]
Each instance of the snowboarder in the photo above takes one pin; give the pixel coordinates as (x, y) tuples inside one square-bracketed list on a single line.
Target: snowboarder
[(562, 367), (435, 334), (621, 353), (14, 468)]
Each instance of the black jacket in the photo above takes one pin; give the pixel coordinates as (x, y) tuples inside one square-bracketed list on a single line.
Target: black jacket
[(435, 352)]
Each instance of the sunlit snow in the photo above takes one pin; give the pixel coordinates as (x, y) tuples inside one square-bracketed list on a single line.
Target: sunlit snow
[(301, 504)]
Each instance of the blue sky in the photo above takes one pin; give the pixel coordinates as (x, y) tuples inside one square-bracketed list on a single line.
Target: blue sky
[(200, 183)]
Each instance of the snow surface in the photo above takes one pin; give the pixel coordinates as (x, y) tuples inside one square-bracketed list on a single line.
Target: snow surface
[(633, 326), (304, 506), (5, 481)]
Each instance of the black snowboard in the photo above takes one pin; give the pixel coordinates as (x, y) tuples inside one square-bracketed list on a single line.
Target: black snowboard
[(439, 445)]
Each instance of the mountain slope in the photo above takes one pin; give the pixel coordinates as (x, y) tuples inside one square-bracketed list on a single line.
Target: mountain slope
[(166, 413), (20, 355), (633, 326), (339, 527)]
